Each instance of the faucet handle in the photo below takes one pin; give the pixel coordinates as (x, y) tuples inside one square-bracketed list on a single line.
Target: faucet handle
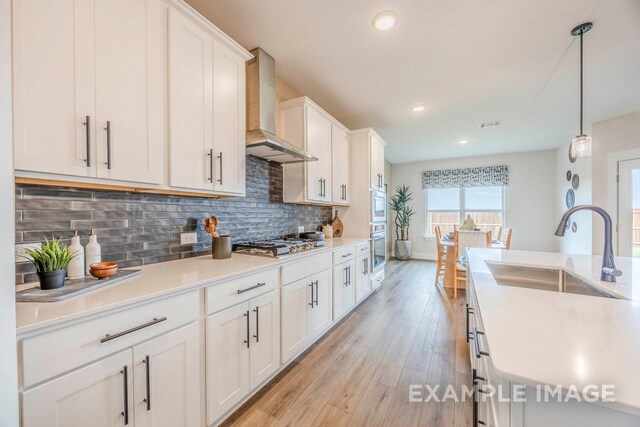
[(612, 271)]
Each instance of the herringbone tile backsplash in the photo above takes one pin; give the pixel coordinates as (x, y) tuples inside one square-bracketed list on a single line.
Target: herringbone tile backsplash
[(135, 229)]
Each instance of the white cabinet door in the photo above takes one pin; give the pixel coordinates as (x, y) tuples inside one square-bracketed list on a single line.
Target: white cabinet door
[(167, 379), (191, 104), (128, 58), (53, 86), (344, 288), (264, 356), (227, 359), (363, 284), (229, 117), (377, 163), (91, 396), (321, 315), (296, 304), (339, 165), (318, 173)]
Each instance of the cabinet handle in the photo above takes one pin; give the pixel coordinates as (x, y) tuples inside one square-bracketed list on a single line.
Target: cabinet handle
[(108, 129), (320, 194), (210, 155), (147, 368), (469, 312), (248, 326), (125, 375), (257, 335), (475, 388), (311, 286), (87, 124), (345, 192), (241, 291), (347, 255), (316, 300), (476, 344), (109, 337), (219, 180)]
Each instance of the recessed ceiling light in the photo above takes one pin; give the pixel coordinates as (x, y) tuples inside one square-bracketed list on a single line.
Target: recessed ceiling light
[(384, 20), (417, 108), (463, 141)]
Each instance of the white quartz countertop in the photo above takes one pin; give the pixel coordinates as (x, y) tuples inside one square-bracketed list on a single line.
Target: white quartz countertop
[(157, 280), (542, 337)]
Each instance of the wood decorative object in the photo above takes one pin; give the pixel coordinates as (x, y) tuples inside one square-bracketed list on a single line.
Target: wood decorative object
[(337, 225), (211, 226)]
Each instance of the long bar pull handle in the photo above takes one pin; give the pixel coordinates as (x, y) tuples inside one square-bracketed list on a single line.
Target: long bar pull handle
[(311, 286), (469, 312), (109, 337), (125, 375), (210, 155), (248, 326), (320, 181), (241, 291), (476, 344), (147, 368), (87, 124), (219, 157), (108, 129), (316, 300), (257, 335)]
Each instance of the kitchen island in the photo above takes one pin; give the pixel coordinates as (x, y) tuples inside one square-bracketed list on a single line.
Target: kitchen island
[(537, 319)]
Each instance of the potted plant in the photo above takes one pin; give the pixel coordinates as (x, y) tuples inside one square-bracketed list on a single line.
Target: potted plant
[(51, 261), (403, 213)]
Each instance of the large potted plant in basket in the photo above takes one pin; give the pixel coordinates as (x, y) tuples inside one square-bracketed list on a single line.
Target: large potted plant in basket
[(51, 261), (403, 213)]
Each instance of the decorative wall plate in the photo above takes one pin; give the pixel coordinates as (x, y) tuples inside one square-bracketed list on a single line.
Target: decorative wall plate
[(570, 198), (572, 159), (569, 175), (574, 227), (575, 181)]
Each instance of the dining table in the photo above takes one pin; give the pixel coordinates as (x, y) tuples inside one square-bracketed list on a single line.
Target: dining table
[(448, 243)]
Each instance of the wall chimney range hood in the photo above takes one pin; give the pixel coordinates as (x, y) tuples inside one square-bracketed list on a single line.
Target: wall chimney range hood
[(261, 114)]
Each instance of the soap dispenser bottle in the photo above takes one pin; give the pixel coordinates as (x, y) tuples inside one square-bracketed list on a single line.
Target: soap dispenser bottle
[(94, 253), (75, 270)]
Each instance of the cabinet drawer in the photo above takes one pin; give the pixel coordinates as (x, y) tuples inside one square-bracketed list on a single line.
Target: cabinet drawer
[(343, 254), (305, 268), (362, 248), (53, 353), (235, 291)]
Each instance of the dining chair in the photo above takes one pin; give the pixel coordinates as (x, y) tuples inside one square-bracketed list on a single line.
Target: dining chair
[(506, 238), (462, 241), (442, 254), (497, 233)]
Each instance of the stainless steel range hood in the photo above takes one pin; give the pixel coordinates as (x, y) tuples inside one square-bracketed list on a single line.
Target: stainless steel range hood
[(261, 114)]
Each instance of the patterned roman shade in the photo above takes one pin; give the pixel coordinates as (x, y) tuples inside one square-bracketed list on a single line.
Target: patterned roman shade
[(485, 176)]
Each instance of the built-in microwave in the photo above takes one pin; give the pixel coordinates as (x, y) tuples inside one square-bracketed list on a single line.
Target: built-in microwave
[(378, 206)]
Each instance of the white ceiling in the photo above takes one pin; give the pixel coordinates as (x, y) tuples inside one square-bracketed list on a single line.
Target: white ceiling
[(467, 61)]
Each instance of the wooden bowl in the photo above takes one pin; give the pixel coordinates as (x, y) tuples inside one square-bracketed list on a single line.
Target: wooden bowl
[(102, 270)]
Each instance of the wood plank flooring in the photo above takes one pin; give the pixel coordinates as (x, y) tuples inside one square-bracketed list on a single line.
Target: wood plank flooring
[(407, 332)]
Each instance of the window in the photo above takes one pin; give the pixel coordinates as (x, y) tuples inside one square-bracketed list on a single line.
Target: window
[(448, 207)]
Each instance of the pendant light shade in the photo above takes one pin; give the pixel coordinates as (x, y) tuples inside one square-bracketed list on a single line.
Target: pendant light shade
[(581, 144)]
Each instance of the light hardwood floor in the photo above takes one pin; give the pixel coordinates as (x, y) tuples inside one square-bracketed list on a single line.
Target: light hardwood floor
[(407, 332)]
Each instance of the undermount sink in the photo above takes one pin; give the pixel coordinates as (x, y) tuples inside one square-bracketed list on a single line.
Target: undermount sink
[(544, 279)]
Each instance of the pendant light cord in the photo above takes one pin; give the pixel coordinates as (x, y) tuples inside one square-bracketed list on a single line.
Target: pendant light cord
[(581, 82)]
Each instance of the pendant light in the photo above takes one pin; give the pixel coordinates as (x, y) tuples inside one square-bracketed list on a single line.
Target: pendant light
[(581, 144)]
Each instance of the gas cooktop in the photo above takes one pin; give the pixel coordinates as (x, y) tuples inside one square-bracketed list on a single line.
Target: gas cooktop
[(276, 247)]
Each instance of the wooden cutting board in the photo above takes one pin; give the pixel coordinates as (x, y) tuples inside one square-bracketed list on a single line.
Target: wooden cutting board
[(337, 225)]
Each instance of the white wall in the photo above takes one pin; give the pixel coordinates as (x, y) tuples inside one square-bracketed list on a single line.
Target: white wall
[(8, 360), (580, 241), (388, 179), (530, 207), (611, 138)]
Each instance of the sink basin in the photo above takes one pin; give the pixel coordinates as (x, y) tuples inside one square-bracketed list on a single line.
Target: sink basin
[(544, 279)]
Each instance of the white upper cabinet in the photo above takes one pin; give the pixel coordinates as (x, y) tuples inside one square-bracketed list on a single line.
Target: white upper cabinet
[(54, 86), (340, 165), (229, 120), (191, 105), (129, 90), (97, 109), (377, 162)]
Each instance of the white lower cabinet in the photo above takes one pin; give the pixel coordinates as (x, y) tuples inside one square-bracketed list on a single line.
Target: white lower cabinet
[(153, 384), (306, 312), (344, 288), (243, 349), (363, 284)]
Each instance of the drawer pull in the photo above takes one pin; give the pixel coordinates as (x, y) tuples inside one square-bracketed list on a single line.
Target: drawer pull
[(476, 344), (347, 255), (241, 291), (109, 337)]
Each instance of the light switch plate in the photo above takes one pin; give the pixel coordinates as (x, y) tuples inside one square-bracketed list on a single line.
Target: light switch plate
[(21, 251), (188, 238), (301, 229)]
